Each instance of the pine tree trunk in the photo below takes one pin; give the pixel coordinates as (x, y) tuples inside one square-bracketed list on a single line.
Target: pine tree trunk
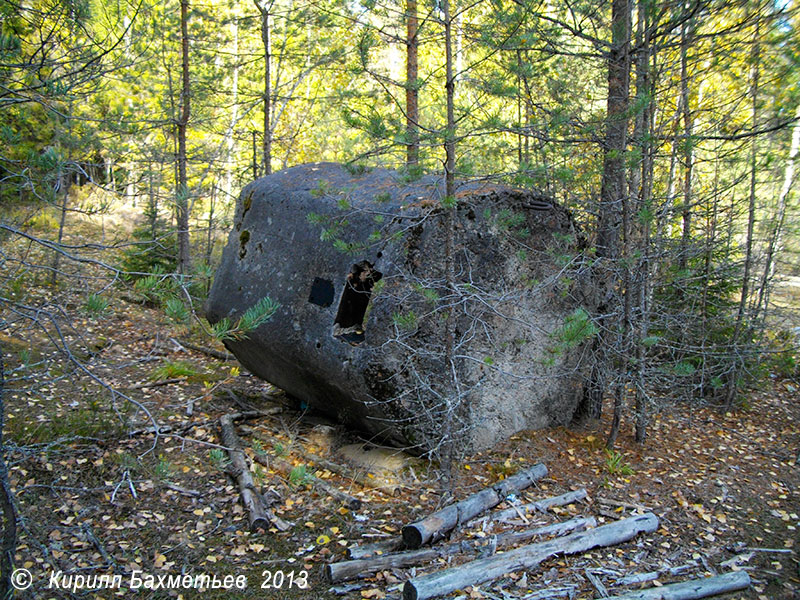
[(737, 365), (412, 91), (182, 193), (230, 140), (645, 84), (612, 196), (448, 454), (65, 179), (266, 150), (210, 232), (688, 154)]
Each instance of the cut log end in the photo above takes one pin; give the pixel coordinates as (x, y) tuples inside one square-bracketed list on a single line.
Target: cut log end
[(412, 537), (259, 523), (409, 592), (353, 503)]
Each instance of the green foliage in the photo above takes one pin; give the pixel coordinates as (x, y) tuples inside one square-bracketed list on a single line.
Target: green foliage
[(615, 464), (299, 476), (174, 370), (218, 458), (95, 305), (258, 314), (323, 188), (349, 248), (89, 420), (157, 287), (683, 369), (255, 316), (162, 468), (357, 169), (578, 328), (177, 310), (154, 250), (511, 222), (430, 294), (405, 321), (411, 173)]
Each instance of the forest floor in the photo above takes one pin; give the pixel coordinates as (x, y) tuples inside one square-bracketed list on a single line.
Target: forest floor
[(97, 492)]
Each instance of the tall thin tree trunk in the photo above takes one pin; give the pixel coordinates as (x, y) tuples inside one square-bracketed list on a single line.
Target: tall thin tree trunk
[(255, 156), (738, 359), (231, 141), (645, 204), (65, 179), (519, 109), (152, 205), (210, 231), (266, 150), (641, 190), (182, 200), (451, 394), (710, 240), (623, 341), (612, 196), (688, 153), (412, 90)]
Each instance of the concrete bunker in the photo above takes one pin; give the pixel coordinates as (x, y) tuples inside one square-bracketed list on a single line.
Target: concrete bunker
[(364, 302), (356, 293)]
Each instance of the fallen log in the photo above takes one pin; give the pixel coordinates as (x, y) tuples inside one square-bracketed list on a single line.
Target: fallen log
[(651, 575), (692, 589), (436, 525), (513, 537), (382, 547), (527, 557), (259, 516), (539, 505), (553, 592), (350, 569), (557, 529)]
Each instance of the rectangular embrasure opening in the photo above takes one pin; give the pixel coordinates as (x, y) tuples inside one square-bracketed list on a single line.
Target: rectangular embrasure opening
[(349, 323)]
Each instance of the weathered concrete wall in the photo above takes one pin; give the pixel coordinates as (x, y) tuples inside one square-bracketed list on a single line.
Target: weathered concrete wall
[(329, 246)]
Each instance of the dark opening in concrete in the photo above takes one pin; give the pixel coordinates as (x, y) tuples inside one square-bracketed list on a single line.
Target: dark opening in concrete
[(349, 323), (321, 292)]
